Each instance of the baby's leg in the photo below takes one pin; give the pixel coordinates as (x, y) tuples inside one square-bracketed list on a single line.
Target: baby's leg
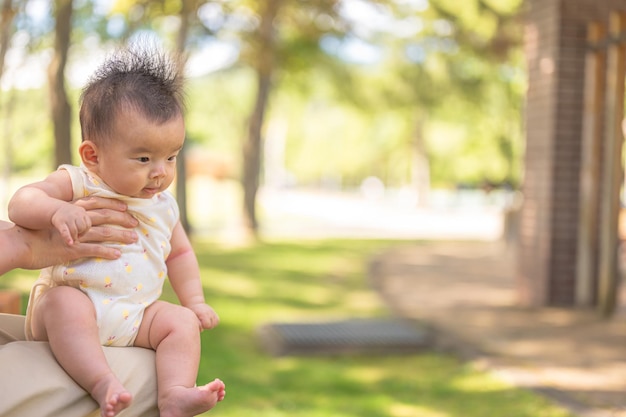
[(66, 318), (174, 333)]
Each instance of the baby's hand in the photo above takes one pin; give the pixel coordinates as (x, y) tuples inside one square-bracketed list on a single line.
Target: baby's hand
[(71, 221), (206, 315)]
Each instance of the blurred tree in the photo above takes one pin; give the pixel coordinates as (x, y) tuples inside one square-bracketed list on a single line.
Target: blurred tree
[(489, 28), (278, 39), (59, 104), (400, 72), (6, 30), (486, 74), (264, 65), (440, 60), (6, 22), (188, 9), (456, 62), (437, 66)]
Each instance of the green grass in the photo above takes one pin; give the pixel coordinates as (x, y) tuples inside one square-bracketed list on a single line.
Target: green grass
[(322, 281)]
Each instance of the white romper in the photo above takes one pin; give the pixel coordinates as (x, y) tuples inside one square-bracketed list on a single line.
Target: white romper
[(120, 289)]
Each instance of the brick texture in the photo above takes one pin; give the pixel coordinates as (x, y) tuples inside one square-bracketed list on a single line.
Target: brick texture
[(555, 46)]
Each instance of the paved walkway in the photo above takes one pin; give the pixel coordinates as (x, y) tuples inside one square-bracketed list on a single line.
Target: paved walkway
[(466, 292)]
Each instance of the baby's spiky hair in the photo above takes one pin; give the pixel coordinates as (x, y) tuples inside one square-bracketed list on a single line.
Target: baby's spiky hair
[(140, 78)]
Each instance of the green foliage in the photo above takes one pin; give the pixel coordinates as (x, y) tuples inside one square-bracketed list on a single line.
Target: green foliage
[(458, 76), (27, 126), (217, 107)]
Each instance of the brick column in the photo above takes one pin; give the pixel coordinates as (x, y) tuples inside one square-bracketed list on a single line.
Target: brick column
[(555, 44)]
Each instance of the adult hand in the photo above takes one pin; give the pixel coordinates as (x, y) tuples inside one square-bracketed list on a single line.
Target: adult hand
[(106, 211), (34, 249)]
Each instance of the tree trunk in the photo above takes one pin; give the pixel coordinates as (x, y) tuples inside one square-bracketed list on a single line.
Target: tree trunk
[(420, 170), (59, 104), (252, 147), (187, 8), (6, 19)]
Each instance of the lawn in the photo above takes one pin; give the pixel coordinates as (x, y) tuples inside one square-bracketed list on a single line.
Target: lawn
[(325, 280), (309, 281)]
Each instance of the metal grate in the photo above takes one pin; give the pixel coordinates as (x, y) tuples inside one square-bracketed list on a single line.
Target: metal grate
[(355, 336)]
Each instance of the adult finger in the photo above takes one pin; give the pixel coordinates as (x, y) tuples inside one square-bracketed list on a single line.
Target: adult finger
[(95, 203), (99, 234), (109, 216), (86, 250)]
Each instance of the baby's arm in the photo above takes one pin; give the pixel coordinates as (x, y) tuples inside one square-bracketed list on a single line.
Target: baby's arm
[(41, 204), (184, 274)]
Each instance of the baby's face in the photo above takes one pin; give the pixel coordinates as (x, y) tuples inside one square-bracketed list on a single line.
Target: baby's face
[(139, 160)]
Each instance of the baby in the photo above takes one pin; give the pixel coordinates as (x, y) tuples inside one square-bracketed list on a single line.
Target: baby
[(132, 127)]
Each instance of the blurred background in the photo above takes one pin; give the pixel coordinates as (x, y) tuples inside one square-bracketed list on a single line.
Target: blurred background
[(389, 118), (329, 132)]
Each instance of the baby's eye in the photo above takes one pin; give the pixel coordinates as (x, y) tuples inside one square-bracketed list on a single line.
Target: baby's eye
[(172, 158), (143, 159)]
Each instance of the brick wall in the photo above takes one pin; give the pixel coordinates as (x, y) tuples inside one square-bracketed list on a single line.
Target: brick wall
[(555, 39)]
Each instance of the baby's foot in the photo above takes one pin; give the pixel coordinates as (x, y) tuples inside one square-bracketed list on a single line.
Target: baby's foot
[(187, 402), (111, 395)]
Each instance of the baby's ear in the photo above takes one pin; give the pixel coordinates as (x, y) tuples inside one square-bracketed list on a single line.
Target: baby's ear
[(88, 153)]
